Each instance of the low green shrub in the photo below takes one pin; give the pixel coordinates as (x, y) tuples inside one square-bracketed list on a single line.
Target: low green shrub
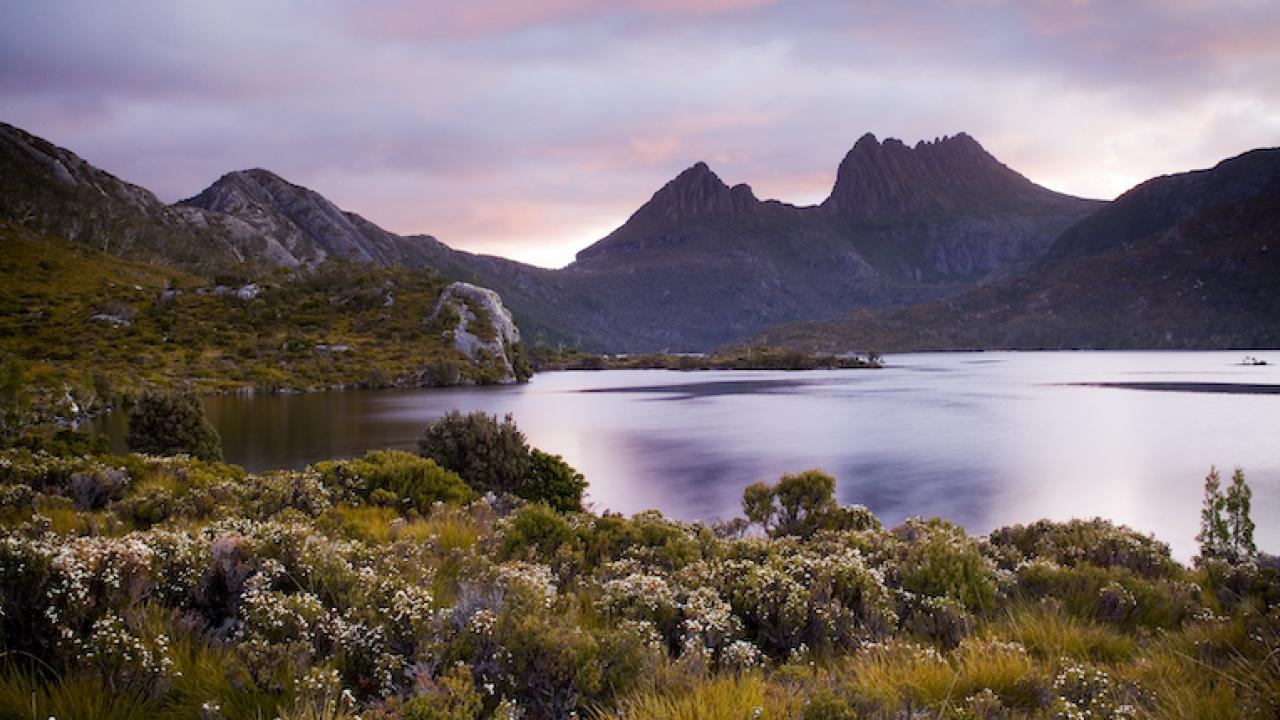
[(553, 481), (172, 424), (384, 476)]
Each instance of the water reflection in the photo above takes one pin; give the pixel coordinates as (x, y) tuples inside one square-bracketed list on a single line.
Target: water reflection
[(984, 439)]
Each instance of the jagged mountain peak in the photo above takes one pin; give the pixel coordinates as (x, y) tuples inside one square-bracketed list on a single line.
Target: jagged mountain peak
[(883, 181), (698, 190)]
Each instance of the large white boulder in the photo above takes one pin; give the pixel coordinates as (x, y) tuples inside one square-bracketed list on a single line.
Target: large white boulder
[(484, 330)]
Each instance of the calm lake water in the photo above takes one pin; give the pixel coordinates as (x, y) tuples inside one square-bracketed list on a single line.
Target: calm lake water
[(984, 439)]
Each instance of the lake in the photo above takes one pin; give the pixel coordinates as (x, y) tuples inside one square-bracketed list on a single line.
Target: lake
[(983, 439)]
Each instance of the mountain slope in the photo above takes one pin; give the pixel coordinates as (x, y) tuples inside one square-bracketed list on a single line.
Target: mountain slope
[(304, 223), (698, 265), (703, 263), (49, 189), (87, 329), (1186, 260)]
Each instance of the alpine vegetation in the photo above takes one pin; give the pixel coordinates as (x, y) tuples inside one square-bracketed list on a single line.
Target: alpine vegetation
[(470, 584)]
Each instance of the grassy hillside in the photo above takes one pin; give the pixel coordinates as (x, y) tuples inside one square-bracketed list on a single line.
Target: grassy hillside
[(141, 587), (342, 325)]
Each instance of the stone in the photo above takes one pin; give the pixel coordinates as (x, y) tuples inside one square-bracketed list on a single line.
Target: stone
[(466, 300)]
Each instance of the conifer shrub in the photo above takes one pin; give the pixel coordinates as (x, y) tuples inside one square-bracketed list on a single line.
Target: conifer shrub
[(172, 424)]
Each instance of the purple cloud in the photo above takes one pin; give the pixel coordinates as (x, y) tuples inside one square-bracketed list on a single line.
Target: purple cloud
[(531, 129)]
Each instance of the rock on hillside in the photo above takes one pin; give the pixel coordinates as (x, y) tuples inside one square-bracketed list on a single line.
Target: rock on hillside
[(482, 330), (302, 226)]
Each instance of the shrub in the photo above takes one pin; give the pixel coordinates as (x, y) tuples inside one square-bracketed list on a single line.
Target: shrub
[(797, 505), (65, 442), (1097, 541), (554, 482), (452, 696), (826, 705), (556, 666), (396, 476), (491, 456), (940, 561), (172, 424), (536, 531)]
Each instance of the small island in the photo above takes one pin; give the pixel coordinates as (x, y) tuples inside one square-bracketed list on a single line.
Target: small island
[(546, 359)]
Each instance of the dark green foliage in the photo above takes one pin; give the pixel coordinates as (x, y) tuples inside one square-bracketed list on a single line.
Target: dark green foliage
[(65, 441), (647, 535), (556, 666), (941, 561), (1095, 541), (12, 399), (172, 424), (491, 456), (1214, 536), (393, 476), (1238, 504), (553, 481), (802, 504), (1226, 527), (536, 531)]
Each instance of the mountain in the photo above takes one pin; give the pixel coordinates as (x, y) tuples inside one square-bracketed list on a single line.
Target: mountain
[(52, 190), (301, 226), (698, 265), (703, 263), (1185, 260), (942, 210)]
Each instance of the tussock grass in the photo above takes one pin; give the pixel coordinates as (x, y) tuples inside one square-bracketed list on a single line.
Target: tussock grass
[(25, 694), (738, 697), (1049, 633)]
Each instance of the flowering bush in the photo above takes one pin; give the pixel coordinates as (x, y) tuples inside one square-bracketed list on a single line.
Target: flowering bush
[(202, 592)]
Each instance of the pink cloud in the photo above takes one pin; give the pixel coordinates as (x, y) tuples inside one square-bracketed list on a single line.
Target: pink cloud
[(448, 18)]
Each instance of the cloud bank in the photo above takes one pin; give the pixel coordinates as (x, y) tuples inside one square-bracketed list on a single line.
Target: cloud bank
[(532, 129)]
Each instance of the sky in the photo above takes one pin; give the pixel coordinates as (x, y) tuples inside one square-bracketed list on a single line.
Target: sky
[(531, 129)]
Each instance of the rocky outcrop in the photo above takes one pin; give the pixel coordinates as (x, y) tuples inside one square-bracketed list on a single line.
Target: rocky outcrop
[(296, 226), (482, 329)]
